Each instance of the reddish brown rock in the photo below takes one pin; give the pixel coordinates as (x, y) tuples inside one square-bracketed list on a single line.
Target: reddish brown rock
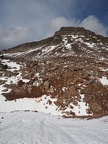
[(46, 85), (95, 107), (30, 89), (20, 83)]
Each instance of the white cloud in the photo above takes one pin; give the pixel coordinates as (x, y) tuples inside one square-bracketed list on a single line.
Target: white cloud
[(62, 21), (90, 23), (59, 22), (14, 36), (93, 24)]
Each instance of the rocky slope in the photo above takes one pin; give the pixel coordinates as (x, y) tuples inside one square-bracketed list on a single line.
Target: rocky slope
[(71, 67)]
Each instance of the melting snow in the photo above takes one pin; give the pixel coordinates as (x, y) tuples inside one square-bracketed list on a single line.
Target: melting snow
[(103, 69), (68, 46), (23, 53), (43, 105), (81, 108), (48, 49), (90, 44), (13, 65)]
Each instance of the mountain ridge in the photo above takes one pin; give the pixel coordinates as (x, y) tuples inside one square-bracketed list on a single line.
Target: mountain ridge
[(62, 31)]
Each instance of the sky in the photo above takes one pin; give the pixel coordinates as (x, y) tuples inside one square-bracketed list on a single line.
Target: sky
[(32, 20)]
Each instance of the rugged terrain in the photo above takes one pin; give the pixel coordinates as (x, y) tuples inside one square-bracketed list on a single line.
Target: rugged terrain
[(66, 73)]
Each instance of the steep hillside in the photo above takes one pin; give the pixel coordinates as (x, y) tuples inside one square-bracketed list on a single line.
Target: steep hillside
[(66, 75)]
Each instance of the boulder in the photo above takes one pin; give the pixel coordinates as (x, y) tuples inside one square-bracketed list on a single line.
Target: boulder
[(30, 89), (95, 107), (20, 83), (46, 85), (51, 90)]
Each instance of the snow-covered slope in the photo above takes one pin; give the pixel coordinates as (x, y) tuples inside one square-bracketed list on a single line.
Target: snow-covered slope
[(40, 128)]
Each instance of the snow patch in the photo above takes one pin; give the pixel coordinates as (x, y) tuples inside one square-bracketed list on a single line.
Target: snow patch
[(12, 65), (43, 105), (91, 45), (80, 110), (104, 80), (46, 50)]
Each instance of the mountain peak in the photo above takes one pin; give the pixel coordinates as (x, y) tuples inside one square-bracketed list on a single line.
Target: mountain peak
[(73, 30)]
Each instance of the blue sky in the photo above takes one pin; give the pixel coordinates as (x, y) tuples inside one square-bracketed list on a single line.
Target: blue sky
[(31, 20)]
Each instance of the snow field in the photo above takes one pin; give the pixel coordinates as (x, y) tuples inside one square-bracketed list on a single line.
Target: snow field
[(40, 128)]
